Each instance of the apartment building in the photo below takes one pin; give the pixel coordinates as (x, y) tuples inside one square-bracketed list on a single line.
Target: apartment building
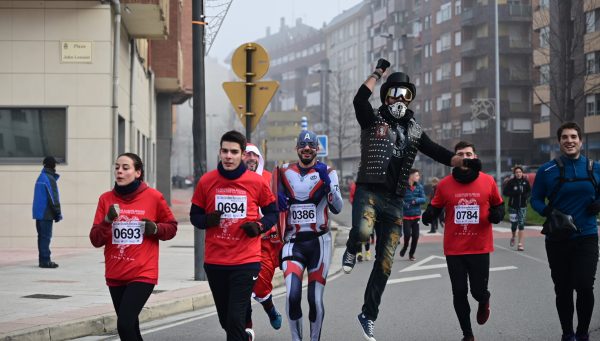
[(85, 81), (567, 85)]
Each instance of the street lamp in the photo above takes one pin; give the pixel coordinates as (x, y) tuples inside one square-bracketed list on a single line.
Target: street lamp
[(324, 73), (497, 67)]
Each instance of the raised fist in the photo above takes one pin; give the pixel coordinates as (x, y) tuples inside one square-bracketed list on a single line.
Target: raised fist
[(113, 213), (382, 64)]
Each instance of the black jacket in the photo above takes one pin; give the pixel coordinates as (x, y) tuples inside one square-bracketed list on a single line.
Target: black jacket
[(517, 191)]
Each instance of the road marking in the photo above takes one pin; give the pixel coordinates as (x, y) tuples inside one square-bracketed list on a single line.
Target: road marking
[(522, 254), (419, 265), (501, 229), (414, 278), (502, 268), (534, 227)]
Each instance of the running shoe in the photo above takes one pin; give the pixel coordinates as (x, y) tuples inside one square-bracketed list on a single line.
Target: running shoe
[(348, 261), (274, 318), (512, 242), (568, 337), (367, 327), (483, 312), (368, 255), (250, 333), (412, 258), (468, 338), (585, 337), (402, 252), (359, 257)]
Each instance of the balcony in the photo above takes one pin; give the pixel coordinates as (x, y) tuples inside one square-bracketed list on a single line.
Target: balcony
[(474, 16), (476, 78), (514, 45), (541, 94), (147, 19), (476, 47), (514, 13)]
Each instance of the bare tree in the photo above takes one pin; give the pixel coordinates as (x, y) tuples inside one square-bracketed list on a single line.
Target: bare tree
[(344, 132), (562, 39)]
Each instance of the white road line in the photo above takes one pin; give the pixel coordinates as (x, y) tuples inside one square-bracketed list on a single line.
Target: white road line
[(502, 268), (419, 265), (501, 229), (534, 227), (414, 278), (522, 254)]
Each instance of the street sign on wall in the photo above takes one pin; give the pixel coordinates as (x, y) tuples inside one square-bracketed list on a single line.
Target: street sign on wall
[(323, 145)]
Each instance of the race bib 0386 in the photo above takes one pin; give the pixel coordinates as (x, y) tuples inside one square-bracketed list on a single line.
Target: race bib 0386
[(303, 214)]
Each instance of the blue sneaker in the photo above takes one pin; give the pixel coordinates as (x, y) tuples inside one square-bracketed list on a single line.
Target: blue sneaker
[(274, 318), (367, 327), (585, 337)]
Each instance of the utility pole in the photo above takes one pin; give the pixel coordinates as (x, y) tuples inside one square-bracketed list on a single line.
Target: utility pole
[(497, 91), (198, 123)]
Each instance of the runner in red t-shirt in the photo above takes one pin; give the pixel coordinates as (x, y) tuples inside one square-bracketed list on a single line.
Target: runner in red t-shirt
[(270, 246), (226, 204), (129, 222), (472, 203)]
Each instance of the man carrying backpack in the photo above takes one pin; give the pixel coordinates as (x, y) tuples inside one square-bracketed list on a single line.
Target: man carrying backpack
[(570, 184)]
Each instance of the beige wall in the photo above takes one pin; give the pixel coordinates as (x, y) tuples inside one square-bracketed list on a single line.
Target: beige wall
[(31, 75)]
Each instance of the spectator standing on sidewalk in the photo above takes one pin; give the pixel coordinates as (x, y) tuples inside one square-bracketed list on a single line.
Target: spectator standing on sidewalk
[(517, 190), (270, 246), (130, 220), (390, 139), (46, 210), (472, 203), (436, 223), (413, 199), (570, 183), (226, 204)]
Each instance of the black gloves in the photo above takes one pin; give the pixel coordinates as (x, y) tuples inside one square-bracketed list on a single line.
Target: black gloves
[(58, 218), (251, 228), (150, 227), (546, 212), (496, 214), (113, 213), (382, 64), (593, 208), (430, 214), (213, 219), (474, 164)]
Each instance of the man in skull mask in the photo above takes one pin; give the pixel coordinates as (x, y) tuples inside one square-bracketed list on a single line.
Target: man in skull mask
[(390, 139)]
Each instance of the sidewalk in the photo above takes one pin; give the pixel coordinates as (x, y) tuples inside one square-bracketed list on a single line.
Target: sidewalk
[(73, 300)]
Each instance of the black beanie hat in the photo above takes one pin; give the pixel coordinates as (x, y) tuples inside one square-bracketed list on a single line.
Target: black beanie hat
[(49, 162)]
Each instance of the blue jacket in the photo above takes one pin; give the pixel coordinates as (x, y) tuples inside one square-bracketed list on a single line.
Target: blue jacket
[(46, 201), (416, 194), (573, 197)]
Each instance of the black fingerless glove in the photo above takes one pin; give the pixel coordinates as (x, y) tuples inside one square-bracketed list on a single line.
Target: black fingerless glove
[(213, 219), (150, 227), (382, 64), (496, 214)]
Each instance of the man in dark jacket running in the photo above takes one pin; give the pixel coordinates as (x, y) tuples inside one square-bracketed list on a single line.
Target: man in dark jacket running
[(390, 138)]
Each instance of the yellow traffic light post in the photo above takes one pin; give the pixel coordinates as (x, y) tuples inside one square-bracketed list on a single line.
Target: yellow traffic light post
[(250, 98)]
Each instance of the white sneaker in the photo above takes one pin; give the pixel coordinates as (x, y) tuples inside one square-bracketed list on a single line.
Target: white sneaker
[(250, 333)]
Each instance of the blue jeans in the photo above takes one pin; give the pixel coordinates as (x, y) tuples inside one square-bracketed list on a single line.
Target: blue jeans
[(382, 212), (44, 230)]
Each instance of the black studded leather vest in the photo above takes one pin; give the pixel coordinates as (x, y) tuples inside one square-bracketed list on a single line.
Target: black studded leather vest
[(377, 145)]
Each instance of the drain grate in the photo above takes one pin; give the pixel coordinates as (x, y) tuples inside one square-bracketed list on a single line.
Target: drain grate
[(157, 291), (46, 296)]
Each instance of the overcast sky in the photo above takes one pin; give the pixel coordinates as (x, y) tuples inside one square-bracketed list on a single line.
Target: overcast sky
[(247, 20)]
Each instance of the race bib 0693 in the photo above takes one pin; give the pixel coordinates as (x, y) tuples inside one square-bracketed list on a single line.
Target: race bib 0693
[(232, 206), (303, 214), (127, 232), (466, 214)]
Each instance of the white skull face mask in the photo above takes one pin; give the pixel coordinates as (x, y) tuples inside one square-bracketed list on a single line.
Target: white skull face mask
[(397, 110)]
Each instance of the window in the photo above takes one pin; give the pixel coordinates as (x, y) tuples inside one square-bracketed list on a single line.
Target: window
[(592, 23), (457, 38), (427, 22), (457, 7), (544, 74), (592, 62), (544, 3), (544, 113), (519, 125), (444, 101), (592, 105), (427, 78), (458, 99), (427, 105), (468, 127), (446, 130), (544, 37), (427, 50), (446, 41), (458, 69), (445, 13), (30, 134)]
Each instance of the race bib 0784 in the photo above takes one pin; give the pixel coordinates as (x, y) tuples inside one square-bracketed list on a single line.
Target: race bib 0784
[(303, 214), (127, 232), (466, 214), (232, 206)]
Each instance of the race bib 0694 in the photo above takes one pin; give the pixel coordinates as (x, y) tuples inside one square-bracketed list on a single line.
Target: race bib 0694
[(127, 232), (303, 214), (232, 206), (466, 214)]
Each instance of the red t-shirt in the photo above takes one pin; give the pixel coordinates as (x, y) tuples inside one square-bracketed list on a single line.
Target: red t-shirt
[(128, 261), (240, 200), (267, 176), (467, 229)]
